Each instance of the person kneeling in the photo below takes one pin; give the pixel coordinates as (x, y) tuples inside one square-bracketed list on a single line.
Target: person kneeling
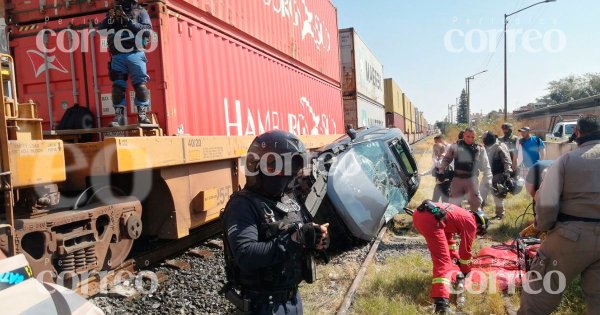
[(438, 223)]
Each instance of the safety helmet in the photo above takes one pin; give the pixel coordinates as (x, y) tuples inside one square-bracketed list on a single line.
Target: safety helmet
[(274, 151), (482, 221), (518, 186), (502, 185)]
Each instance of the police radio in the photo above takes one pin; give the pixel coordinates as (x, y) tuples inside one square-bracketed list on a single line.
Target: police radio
[(428, 205)]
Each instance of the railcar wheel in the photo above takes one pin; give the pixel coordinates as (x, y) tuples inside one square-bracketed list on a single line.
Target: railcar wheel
[(117, 253), (129, 225)]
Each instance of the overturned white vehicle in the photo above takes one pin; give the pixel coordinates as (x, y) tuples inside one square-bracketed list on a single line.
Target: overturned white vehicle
[(359, 182)]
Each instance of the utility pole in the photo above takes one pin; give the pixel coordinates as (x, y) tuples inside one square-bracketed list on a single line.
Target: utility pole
[(467, 80), (505, 67)]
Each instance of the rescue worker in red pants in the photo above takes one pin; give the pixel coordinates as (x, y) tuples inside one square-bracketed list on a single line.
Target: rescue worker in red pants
[(438, 223)]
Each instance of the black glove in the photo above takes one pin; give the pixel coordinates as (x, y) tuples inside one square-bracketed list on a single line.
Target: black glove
[(440, 178), (326, 241), (121, 17), (277, 228), (309, 235)]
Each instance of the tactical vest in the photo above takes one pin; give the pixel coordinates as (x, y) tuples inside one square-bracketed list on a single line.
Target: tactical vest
[(511, 143), (129, 44), (466, 157), (274, 216)]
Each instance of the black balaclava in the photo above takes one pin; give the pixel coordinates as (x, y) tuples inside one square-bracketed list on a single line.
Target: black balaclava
[(127, 4), (274, 186)]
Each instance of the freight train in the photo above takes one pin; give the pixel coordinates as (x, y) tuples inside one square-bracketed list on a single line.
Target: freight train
[(219, 76)]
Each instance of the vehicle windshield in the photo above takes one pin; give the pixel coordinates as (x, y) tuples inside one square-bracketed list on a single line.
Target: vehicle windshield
[(569, 129), (375, 161)]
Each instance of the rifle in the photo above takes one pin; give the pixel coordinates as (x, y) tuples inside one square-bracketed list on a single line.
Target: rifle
[(318, 190)]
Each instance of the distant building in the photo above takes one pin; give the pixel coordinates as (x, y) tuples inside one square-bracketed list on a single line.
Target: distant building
[(497, 115), (530, 107)]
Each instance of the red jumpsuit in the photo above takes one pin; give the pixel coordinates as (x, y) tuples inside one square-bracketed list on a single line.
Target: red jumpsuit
[(442, 247)]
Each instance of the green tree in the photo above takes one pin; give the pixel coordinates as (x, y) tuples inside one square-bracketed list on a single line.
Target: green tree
[(571, 88), (442, 126), (462, 111)]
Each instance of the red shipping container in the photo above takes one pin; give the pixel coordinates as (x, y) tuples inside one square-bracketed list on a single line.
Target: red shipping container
[(304, 31), (202, 81), (395, 120), (28, 11)]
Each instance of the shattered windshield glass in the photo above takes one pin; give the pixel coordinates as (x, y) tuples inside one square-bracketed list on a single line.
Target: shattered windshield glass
[(376, 163)]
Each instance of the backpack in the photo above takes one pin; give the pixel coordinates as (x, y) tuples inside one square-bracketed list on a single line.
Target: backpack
[(76, 117)]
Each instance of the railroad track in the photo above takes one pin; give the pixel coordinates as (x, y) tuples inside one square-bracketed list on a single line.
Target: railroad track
[(151, 255), (349, 297)]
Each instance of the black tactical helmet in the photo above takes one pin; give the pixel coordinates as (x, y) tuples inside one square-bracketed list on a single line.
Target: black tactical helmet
[(482, 221), (501, 186), (272, 153), (126, 2)]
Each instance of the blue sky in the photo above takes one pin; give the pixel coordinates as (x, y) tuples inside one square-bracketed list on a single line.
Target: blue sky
[(424, 47)]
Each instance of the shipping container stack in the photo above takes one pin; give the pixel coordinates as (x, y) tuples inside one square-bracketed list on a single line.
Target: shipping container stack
[(362, 82), (413, 121), (216, 67), (394, 106), (407, 120), (400, 113), (419, 126)]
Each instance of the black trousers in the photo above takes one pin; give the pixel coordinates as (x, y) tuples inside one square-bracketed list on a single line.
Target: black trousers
[(441, 191)]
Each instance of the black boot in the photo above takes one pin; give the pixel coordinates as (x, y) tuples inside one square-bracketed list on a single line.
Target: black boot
[(142, 118), (442, 306), (119, 119)]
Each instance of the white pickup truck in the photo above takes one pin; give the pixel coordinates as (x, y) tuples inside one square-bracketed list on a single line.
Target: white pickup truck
[(561, 131)]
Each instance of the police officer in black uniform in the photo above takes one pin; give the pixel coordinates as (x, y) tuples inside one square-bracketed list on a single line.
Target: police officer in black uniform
[(269, 239), (501, 165)]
